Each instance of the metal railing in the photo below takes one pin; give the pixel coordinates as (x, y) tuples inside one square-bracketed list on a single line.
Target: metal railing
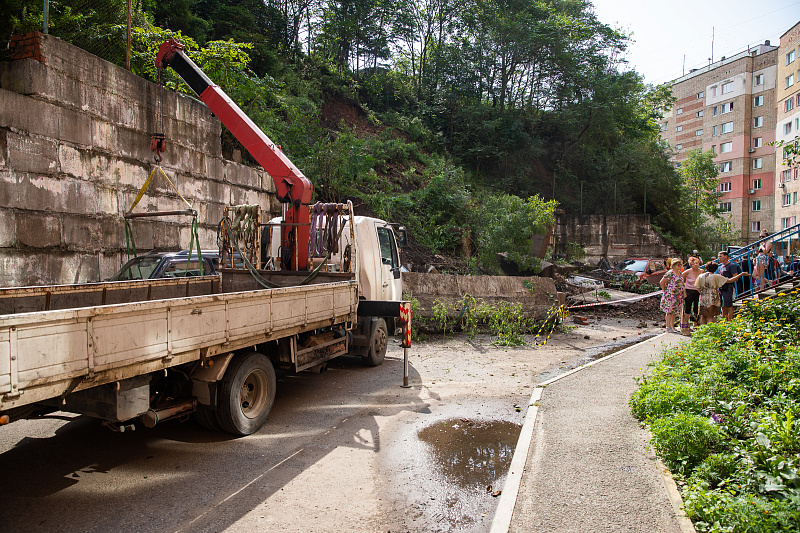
[(783, 244)]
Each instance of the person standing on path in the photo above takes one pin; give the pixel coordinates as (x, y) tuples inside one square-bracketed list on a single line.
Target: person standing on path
[(673, 286), (709, 283), (692, 301), (729, 270)]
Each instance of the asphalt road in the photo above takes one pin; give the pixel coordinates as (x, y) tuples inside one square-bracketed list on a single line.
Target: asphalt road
[(341, 451)]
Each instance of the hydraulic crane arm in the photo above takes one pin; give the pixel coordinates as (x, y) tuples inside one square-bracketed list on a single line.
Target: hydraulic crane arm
[(292, 186)]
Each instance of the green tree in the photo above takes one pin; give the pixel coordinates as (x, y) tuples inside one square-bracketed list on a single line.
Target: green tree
[(506, 224), (700, 175)]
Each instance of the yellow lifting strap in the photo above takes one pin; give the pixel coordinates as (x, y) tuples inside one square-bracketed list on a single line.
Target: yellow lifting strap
[(147, 184)]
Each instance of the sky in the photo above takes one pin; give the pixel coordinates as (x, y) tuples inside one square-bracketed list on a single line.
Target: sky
[(664, 31)]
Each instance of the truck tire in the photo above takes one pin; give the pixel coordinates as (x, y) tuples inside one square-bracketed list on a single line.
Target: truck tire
[(378, 342), (246, 394), (207, 418)]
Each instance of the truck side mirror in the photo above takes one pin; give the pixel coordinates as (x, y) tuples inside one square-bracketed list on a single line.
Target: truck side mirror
[(402, 237)]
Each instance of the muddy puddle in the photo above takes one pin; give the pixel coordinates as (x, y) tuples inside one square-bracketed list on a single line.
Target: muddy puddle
[(471, 454)]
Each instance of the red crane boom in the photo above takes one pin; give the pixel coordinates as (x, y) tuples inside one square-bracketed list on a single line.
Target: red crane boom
[(293, 188)]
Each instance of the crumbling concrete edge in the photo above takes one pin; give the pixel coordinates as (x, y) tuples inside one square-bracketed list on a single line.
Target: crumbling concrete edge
[(508, 498)]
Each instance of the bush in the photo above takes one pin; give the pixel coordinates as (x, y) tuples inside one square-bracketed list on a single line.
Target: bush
[(723, 410), (684, 440)]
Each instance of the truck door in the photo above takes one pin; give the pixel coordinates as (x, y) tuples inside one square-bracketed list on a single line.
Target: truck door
[(391, 284)]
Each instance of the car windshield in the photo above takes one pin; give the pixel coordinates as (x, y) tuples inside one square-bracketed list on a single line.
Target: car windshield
[(633, 265), (137, 268)]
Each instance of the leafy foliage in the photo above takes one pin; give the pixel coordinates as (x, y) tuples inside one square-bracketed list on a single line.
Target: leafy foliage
[(724, 410), (505, 223), (487, 98)]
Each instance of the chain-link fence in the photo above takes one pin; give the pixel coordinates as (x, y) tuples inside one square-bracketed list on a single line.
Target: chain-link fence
[(97, 26)]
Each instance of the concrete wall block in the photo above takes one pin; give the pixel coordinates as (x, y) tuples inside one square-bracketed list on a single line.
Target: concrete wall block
[(81, 197), (9, 191), (29, 268), (38, 230), (124, 174), (3, 148), (241, 175), (32, 154), (215, 169), (26, 114), (170, 237), (104, 136), (211, 212), (8, 228), (108, 198), (93, 234), (133, 144), (143, 235), (72, 161), (74, 127), (74, 268)]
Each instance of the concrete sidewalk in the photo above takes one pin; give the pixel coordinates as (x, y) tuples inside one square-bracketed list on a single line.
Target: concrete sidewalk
[(587, 466)]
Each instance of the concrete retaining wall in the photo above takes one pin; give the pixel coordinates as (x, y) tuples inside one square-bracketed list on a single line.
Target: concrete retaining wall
[(427, 288), (613, 236), (74, 151)]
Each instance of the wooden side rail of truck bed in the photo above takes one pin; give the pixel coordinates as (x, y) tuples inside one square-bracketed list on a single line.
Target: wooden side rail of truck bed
[(49, 354)]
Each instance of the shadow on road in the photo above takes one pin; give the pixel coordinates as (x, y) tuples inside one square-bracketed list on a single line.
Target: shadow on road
[(178, 476)]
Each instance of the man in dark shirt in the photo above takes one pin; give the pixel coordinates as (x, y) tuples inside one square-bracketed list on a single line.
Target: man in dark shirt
[(728, 270)]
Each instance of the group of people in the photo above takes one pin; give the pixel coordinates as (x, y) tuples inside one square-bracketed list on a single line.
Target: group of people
[(697, 294)]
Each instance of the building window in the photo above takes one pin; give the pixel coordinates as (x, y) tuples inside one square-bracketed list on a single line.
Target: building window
[(679, 111), (727, 87), (788, 105), (758, 122), (755, 227), (714, 111), (698, 133), (798, 99), (700, 95), (724, 148), (759, 79), (727, 108), (788, 222), (678, 146), (679, 128), (725, 186), (787, 200), (787, 128), (790, 57), (758, 142), (700, 113), (756, 184), (789, 80), (725, 166), (794, 197), (714, 91), (677, 165), (664, 126), (714, 148), (713, 131), (727, 127), (725, 207), (786, 175), (756, 205), (758, 101), (757, 163)]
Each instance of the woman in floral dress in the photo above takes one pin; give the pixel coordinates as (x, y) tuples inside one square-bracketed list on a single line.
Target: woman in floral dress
[(673, 286)]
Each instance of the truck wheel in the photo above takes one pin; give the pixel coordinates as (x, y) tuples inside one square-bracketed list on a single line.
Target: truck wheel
[(207, 417), (247, 392), (378, 342)]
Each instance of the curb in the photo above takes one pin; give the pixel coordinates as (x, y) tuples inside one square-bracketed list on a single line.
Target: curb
[(508, 498)]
